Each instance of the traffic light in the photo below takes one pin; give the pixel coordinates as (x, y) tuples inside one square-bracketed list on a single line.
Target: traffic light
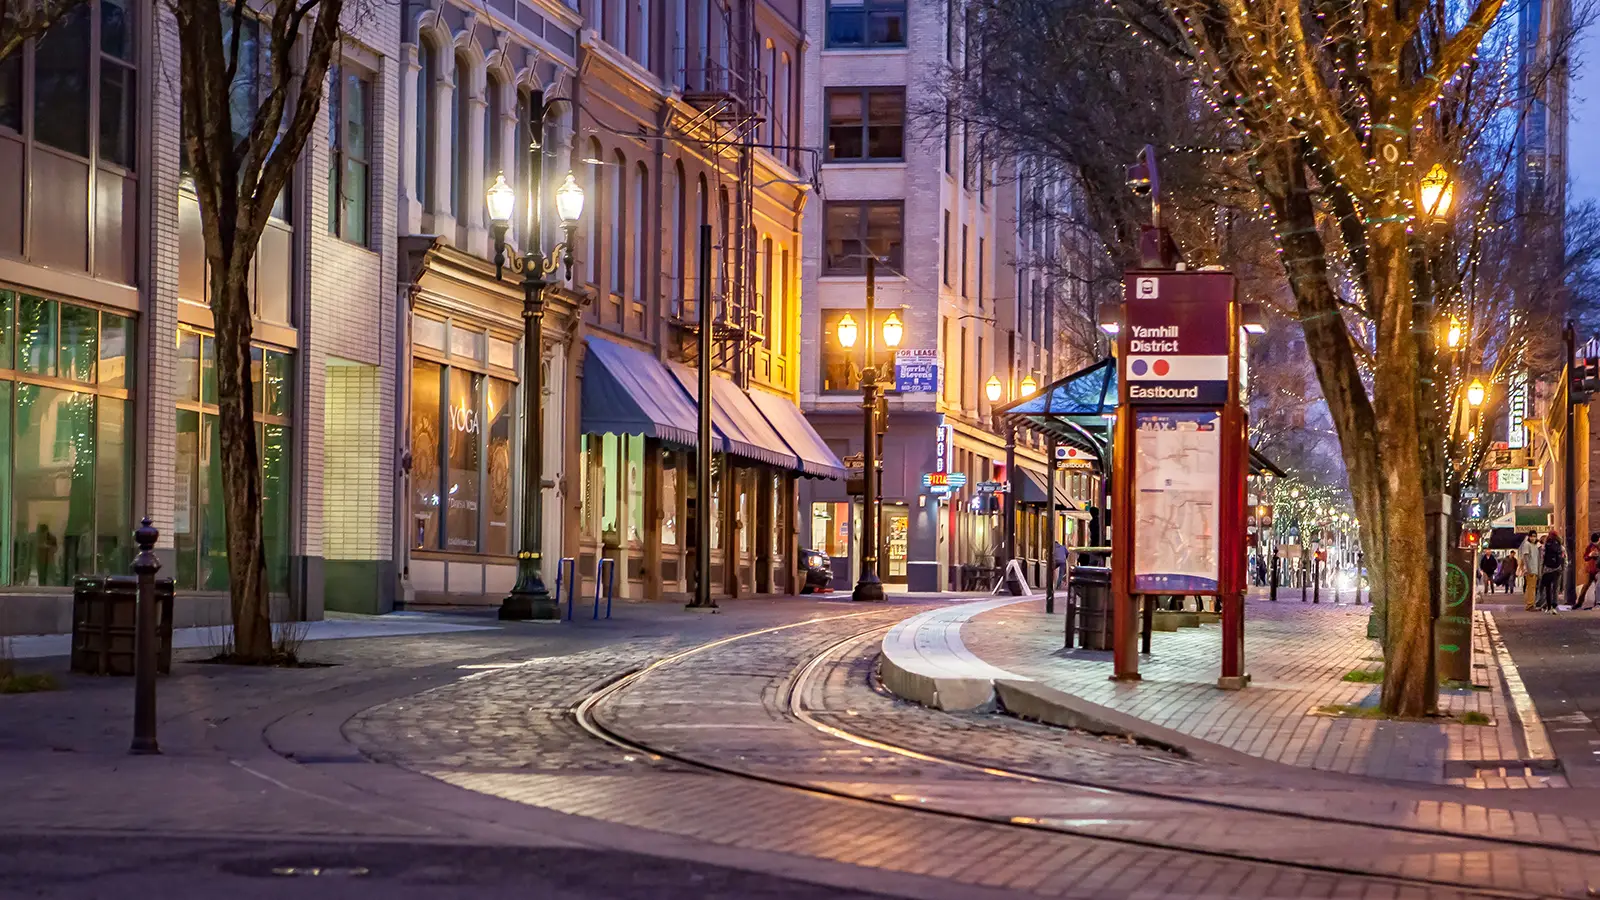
[(1585, 377)]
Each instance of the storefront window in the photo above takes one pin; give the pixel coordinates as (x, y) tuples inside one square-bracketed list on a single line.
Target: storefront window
[(500, 411), (830, 528), (199, 520), (896, 532), (65, 486), (465, 454), (716, 502), (743, 524), (609, 453), (780, 522), (464, 445), (635, 474), (669, 498)]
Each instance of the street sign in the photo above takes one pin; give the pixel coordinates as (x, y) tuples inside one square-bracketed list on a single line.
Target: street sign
[(1508, 481), (993, 487), (1177, 338), (916, 371), (1506, 458)]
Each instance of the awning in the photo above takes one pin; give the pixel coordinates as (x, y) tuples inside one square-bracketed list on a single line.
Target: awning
[(628, 391), (815, 457), (735, 417), (1033, 491)]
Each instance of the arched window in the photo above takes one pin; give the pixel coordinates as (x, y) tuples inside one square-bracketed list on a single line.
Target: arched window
[(782, 107), (594, 203), (680, 225), (641, 202), (427, 78), (616, 187), (461, 135), (724, 232), (765, 304), (494, 96)]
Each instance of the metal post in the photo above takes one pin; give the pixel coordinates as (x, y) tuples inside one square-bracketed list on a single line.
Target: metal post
[(1316, 577), (702, 498), (1051, 576), (1569, 475), (1272, 577), (1008, 529), (869, 588), (529, 598), (145, 566)]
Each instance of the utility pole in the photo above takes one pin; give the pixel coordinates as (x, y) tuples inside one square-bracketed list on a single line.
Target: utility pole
[(869, 588), (702, 496)]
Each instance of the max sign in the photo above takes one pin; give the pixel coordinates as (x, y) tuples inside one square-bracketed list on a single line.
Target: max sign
[(1176, 338)]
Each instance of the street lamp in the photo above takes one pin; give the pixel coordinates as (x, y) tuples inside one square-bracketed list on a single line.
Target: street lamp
[(1452, 335), (869, 587), (993, 388), (1029, 385), (1436, 192), (529, 599), (1475, 393)]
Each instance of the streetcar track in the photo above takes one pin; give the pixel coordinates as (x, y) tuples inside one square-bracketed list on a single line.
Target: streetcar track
[(584, 713)]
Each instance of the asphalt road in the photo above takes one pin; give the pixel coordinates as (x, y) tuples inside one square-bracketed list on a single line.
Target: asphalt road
[(1559, 659), (80, 867)]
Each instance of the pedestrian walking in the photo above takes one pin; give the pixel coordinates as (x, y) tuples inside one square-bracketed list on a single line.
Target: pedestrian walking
[(1530, 554), (1591, 567), (1488, 565), (1061, 564), (1552, 562), (1506, 575)]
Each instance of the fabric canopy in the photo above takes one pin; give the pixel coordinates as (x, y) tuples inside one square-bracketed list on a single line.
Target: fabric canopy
[(735, 417), (815, 457), (1033, 491), (628, 391)]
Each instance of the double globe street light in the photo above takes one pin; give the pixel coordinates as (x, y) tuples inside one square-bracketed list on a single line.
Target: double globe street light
[(869, 587), (529, 598)]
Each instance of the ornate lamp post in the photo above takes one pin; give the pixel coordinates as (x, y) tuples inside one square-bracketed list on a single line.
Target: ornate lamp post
[(869, 587), (529, 598)]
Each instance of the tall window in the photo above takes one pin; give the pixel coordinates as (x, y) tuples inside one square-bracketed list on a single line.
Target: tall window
[(349, 112), (866, 23), (680, 41), (702, 205), (461, 133), (946, 247), (725, 239), (199, 528), (965, 283), (980, 273), (764, 326), (616, 188), (427, 77), (494, 96), (645, 35), (594, 206), (785, 89), (680, 240), (706, 61), (866, 124), (641, 241), (856, 229), (118, 110), (780, 307)]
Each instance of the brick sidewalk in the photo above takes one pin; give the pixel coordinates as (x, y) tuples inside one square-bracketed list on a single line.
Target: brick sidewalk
[(1297, 654)]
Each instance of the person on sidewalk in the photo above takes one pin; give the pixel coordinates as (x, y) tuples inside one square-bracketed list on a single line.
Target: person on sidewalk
[(1488, 565), (1061, 564), (1552, 562), (1591, 567), (1530, 552), (1506, 575)]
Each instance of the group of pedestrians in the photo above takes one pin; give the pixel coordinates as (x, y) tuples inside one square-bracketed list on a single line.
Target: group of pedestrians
[(1541, 561)]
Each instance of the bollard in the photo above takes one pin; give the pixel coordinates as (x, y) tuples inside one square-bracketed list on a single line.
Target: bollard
[(1303, 581), (1273, 579), (1316, 581), (145, 565)]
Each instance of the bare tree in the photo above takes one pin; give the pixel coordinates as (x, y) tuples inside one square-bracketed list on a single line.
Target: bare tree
[(247, 113), (24, 19)]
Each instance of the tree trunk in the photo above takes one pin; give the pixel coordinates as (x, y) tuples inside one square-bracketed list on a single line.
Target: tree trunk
[(241, 468)]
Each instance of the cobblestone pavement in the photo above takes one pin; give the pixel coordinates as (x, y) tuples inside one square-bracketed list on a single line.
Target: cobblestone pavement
[(1297, 654), (728, 707), (735, 794)]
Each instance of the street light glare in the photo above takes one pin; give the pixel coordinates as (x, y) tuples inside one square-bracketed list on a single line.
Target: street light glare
[(1452, 337), (847, 331), (569, 201), (993, 388), (1436, 192), (501, 201), (893, 331), (1029, 385), (1475, 393)]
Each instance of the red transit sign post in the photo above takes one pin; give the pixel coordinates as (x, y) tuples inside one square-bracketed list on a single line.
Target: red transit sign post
[(1181, 457)]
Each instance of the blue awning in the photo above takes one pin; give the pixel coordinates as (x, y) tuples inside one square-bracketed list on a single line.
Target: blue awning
[(628, 391), (815, 457), (735, 417)]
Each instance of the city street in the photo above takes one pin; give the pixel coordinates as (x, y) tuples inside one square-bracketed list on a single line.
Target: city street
[(749, 753)]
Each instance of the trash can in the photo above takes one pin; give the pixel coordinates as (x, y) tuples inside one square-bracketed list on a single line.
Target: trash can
[(1089, 607), (105, 621)]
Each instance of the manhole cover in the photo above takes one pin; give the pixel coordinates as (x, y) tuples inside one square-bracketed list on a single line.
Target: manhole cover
[(321, 871)]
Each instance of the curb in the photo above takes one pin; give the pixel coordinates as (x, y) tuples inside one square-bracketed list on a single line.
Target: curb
[(1027, 699)]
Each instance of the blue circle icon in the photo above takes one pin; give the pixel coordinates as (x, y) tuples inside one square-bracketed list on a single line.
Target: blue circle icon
[(1139, 367)]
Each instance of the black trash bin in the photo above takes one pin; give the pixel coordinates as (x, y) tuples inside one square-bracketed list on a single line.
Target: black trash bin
[(1089, 607), (105, 621)]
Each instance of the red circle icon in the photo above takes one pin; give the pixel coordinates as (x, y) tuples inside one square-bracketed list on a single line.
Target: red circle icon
[(1161, 367)]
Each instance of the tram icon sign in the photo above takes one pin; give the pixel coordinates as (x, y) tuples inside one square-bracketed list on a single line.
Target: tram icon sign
[(1147, 288)]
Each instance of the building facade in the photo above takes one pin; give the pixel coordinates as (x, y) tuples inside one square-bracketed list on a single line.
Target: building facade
[(944, 221), (107, 395), (671, 116)]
